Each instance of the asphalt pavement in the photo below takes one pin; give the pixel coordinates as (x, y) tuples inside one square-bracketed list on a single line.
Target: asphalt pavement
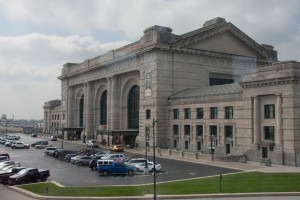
[(11, 193)]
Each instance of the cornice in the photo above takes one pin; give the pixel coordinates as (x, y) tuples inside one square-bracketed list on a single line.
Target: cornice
[(270, 82)]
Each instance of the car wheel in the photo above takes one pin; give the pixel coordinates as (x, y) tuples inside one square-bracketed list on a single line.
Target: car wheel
[(79, 164), (105, 173), (22, 182), (130, 173), (43, 178)]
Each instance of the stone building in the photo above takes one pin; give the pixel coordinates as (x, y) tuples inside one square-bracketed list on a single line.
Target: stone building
[(211, 90)]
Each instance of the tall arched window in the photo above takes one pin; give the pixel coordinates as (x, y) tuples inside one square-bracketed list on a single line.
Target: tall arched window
[(133, 107), (103, 108), (81, 110)]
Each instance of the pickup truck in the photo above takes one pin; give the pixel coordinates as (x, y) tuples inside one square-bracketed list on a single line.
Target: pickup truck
[(116, 168), (4, 176), (29, 175)]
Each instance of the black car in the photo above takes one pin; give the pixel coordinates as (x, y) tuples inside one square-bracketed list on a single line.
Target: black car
[(33, 135), (43, 142), (4, 176)]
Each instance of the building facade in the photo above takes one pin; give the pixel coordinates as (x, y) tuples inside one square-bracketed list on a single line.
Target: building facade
[(211, 90)]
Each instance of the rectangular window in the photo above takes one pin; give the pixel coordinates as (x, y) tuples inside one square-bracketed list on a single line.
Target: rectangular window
[(187, 113), (213, 131), (175, 129), (148, 114), (187, 129), (219, 81), (199, 113), (214, 113), (269, 133), (175, 113), (199, 130), (228, 112), (186, 144), (228, 131), (64, 116), (270, 111)]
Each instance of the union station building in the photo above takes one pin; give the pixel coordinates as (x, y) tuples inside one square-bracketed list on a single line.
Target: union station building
[(213, 90)]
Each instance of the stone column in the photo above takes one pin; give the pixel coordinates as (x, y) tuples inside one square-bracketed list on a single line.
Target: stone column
[(70, 102), (115, 99), (89, 116), (256, 120), (108, 103), (278, 112)]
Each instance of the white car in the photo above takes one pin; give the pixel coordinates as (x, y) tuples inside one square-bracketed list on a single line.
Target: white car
[(92, 144), (49, 150), (18, 144), (141, 167), (136, 161)]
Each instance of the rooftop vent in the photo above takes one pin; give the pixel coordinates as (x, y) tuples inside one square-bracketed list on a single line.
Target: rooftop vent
[(215, 21)]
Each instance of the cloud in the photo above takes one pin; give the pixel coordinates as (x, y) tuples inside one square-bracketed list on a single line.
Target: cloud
[(30, 65), (73, 31)]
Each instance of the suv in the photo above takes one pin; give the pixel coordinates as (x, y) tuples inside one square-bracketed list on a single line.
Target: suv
[(18, 144), (83, 160), (114, 157), (43, 142), (92, 144), (49, 150)]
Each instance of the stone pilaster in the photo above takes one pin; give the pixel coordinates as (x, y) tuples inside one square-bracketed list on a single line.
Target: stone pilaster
[(115, 102), (278, 136), (70, 117), (89, 117), (256, 121), (109, 119)]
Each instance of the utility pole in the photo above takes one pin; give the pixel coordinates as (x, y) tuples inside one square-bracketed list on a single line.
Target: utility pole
[(154, 170)]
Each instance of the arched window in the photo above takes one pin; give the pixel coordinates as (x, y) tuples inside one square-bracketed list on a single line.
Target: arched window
[(81, 110), (133, 107), (103, 108)]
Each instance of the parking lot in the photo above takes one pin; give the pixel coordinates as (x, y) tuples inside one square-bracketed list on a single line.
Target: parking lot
[(72, 175)]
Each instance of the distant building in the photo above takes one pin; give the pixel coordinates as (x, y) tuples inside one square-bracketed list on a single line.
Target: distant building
[(211, 90)]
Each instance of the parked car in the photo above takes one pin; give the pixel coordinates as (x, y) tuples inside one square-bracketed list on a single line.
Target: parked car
[(117, 168), (92, 144), (61, 154), (18, 144), (83, 160), (101, 154), (49, 150), (68, 157), (53, 138), (3, 158), (135, 161), (42, 142), (11, 171), (6, 155), (33, 135), (104, 162), (116, 148), (8, 143), (29, 175), (141, 167), (114, 157)]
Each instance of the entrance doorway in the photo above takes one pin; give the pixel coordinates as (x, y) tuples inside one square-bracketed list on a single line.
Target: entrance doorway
[(228, 148)]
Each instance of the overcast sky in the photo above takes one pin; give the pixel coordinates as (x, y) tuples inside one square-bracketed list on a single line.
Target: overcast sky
[(38, 36)]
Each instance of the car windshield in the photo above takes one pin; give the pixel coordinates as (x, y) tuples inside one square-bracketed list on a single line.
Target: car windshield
[(23, 171)]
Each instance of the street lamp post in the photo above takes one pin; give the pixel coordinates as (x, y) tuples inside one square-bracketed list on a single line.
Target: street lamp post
[(62, 136), (154, 170), (212, 137), (146, 170)]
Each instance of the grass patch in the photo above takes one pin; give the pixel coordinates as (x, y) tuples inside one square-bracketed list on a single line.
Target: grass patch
[(235, 183)]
